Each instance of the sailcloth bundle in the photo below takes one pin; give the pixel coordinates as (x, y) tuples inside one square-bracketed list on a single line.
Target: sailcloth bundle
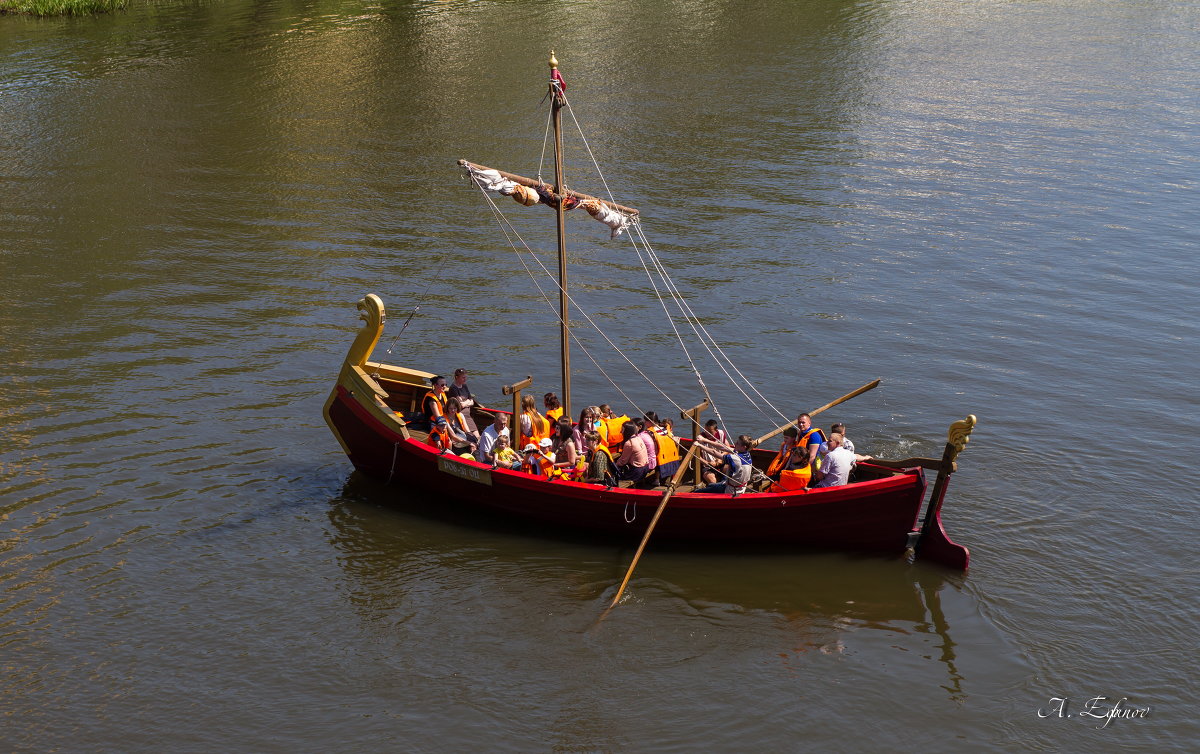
[(616, 221), (491, 180)]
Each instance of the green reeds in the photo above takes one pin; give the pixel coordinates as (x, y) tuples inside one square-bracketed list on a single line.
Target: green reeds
[(60, 7)]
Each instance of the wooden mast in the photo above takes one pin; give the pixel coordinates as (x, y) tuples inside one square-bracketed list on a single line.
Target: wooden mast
[(556, 106)]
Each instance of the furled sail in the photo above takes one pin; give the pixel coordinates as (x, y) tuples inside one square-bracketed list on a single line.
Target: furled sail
[(529, 192)]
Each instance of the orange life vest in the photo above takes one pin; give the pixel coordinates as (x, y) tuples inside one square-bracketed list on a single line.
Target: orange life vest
[(538, 425), (460, 423), (554, 414), (781, 458), (803, 443), (439, 438), (439, 405), (614, 432), (668, 448), (539, 465), (792, 479)]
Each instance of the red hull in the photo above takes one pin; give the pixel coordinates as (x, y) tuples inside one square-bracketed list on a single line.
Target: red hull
[(875, 515)]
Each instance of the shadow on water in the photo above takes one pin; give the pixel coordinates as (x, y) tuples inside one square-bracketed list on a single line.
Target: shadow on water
[(392, 544)]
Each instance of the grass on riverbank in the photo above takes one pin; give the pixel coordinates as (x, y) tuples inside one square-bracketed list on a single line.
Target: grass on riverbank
[(60, 7)]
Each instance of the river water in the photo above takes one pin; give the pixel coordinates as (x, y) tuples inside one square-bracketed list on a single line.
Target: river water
[(989, 205)]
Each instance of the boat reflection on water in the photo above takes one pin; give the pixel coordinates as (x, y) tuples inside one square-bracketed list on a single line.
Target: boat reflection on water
[(405, 553)]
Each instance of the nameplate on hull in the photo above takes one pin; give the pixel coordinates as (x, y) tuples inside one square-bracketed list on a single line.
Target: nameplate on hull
[(457, 468)]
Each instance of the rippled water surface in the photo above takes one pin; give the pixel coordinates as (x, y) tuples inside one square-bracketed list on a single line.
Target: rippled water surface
[(989, 205)]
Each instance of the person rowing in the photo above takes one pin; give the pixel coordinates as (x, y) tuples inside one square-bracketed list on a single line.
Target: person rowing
[(737, 466)]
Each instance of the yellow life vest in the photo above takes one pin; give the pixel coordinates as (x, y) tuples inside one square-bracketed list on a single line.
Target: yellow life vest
[(554, 414)]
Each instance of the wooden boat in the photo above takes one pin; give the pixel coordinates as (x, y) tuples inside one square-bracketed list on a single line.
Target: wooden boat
[(877, 512)]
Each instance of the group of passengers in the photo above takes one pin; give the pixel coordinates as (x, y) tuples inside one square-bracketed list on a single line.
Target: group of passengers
[(604, 447)]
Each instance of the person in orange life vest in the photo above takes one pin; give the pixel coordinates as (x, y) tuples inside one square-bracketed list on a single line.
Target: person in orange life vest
[(790, 454), (811, 438), (566, 456), (554, 407), (534, 426), (709, 458), (600, 467), (614, 428), (433, 404), (458, 425), (538, 460), (789, 468), (633, 463), (458, 389), (439, 434), (669, 456)]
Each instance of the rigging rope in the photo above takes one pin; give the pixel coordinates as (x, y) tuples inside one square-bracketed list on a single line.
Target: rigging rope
[(686, 310), (508, 229)]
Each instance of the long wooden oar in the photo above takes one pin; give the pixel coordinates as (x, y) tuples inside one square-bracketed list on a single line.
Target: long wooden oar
[(683, 466), (843, 399)]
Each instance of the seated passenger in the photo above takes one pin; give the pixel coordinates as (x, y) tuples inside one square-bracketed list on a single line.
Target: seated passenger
[(841, 430), (566, 456), (538, 460), (587, 423), (502, 454), (487, 440), (811, 438), (736, 467), (554, 408), (534, 426), (710, 459), (647, 439), (600, 466), (433, 404), (439, 435), (669, 456), (458, 389), (789, 468), (462, 435), (633, 463), (613, 430), (835, 470)]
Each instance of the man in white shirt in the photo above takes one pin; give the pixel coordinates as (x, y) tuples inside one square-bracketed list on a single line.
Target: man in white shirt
[(487, 440), (836, 466)]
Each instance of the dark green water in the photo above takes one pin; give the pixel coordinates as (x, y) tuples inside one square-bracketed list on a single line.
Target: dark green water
[(991, 206)]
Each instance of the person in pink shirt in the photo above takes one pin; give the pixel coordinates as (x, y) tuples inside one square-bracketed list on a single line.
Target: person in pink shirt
[(651, 446), (633, 463)]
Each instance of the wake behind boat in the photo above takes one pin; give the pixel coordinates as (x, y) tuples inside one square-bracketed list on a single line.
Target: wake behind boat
[(381, 417)]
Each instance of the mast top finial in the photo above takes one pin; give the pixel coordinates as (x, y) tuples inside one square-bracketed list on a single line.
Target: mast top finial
[(553, 60)]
